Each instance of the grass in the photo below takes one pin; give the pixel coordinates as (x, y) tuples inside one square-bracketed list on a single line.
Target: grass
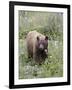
[(52, 67), (51, 25)]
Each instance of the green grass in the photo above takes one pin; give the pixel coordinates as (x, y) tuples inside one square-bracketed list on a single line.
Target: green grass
[(51, 25), (52, 67)]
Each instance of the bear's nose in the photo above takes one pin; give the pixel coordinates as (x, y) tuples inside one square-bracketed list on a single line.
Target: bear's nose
[(41, 47)]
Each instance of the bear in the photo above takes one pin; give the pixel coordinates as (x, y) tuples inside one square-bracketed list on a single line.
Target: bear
[(37, 46)]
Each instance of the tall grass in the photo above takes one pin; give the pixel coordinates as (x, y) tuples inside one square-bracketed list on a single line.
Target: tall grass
[(50, 24)]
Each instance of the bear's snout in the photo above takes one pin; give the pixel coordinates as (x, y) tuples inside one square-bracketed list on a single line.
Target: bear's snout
[(41, 47)]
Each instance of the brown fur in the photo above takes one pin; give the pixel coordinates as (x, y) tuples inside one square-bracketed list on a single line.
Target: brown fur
[(32, 46)]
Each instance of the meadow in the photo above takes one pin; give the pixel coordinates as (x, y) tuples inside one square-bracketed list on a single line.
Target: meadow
[(47, 23)]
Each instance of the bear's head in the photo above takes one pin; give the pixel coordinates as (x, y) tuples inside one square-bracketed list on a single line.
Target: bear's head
[(42, 44)]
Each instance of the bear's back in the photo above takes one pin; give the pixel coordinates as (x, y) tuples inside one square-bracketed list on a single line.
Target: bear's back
[(34, 34)]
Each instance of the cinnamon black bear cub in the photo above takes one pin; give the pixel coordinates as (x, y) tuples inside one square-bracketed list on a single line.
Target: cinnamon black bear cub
[(37, 45)]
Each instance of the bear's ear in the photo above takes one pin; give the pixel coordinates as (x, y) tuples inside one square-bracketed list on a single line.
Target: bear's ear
[(37, 38), (46, 37)]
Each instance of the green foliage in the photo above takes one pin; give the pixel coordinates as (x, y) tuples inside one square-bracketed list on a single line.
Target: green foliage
[(50, 24)]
